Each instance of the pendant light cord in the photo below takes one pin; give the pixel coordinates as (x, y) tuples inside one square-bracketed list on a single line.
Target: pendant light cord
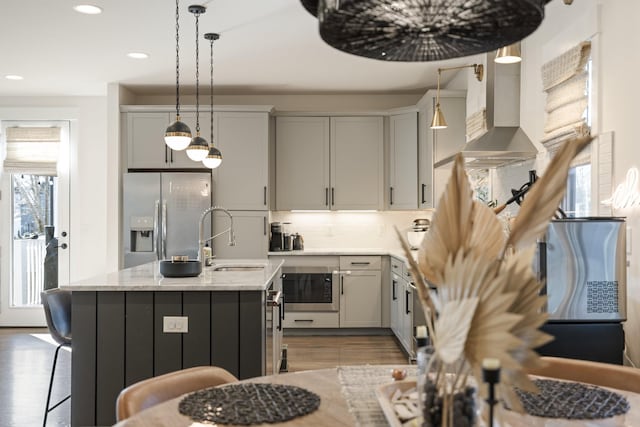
[(211, 88), (197, 77), (177, 58)]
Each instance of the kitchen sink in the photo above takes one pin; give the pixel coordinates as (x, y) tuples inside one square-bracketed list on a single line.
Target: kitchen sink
[(238, 267)]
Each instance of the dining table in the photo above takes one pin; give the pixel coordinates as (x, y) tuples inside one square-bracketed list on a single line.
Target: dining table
[(348, 398)]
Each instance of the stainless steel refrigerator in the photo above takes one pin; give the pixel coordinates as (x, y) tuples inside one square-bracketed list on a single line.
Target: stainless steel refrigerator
[(161, 211)]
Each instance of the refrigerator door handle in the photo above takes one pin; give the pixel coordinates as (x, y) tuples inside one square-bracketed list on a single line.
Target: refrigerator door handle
[(164, 230), (156, 212)]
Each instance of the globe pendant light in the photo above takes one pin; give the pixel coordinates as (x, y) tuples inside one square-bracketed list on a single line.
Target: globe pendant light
[(214, 156), (198, 147), (178, 135)]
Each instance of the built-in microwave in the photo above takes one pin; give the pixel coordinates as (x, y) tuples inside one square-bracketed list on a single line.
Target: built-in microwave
[(311, 288)]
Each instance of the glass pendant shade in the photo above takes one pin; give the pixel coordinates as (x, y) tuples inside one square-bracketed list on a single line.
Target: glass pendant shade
[(178, 135), (509, 54), (198, 149), (213, 159), (438, 121)]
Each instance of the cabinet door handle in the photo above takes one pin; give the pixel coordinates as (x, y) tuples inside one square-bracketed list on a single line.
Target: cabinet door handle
[(265, 195), (423, 188), (360, 263), (333, 196), (166, 159), (326, 196), (391, 195), (393, 290), (264, 223), (406, 302), (171, 156), (303, 320), (341, 285)]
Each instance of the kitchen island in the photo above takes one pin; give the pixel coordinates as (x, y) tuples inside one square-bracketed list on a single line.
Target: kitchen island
[(128, 326)]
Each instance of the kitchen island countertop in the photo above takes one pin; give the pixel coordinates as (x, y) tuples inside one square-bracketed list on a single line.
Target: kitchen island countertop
[(147, 277)]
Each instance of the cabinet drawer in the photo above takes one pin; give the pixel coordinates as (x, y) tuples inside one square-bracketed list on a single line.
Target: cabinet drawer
[(311, 320), (397, 266), (360, 263)]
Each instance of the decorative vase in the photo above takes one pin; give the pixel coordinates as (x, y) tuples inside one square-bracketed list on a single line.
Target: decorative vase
[(446, 392)]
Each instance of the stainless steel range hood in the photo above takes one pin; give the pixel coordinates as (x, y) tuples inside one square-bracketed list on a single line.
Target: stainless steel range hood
[(504, 142)]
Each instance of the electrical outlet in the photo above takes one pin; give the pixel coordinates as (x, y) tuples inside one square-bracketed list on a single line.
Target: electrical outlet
[(175, 324)]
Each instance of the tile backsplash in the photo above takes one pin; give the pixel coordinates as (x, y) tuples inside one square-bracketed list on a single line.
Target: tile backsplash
[(342, 230)]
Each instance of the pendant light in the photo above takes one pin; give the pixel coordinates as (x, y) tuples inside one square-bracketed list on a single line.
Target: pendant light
[(438, 121), (214, 156), (198, 147), (508, 54), (178, 135)]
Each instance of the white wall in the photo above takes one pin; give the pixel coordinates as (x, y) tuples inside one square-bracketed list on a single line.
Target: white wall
[(88, 183), (615, 22)]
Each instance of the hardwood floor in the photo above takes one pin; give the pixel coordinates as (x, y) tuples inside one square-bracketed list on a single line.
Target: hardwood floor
[(25, 366), (317, 352)]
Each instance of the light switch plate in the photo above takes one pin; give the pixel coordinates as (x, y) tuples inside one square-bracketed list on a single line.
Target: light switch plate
[(175, 324)]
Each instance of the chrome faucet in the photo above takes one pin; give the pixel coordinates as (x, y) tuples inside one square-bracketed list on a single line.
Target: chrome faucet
[(202, 240)]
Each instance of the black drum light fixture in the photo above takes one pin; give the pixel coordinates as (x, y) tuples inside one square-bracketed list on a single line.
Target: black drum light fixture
[(178, 135), (425, 30), (198, 147), (214, 156)]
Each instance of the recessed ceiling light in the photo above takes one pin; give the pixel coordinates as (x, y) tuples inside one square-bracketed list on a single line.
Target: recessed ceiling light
[(137, 55), (87, 9), (13, 77)]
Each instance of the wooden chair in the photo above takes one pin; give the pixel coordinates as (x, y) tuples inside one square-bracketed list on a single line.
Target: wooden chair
[(602, 374), (153, 391)]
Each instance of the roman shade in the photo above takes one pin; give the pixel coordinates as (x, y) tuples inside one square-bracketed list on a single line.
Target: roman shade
[(565, 79), (32, 150)]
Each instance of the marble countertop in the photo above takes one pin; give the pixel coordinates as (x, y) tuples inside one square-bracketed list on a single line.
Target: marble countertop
[(147, 277), (396, 252)]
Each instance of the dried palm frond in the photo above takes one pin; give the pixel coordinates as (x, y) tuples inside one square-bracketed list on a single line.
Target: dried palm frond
[(545, 195)]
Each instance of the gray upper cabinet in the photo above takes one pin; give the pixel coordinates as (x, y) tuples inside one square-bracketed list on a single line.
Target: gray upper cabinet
[(302, 163), (436, 144), (251, 231), (241, 182), (357, 172), (145, 141), (329, 163), (403, 161)]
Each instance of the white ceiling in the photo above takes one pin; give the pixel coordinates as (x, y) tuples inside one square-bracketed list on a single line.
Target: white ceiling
[(266, 46)]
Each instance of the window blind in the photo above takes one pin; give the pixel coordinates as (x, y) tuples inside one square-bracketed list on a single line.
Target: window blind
[(32, 150), (565, 79)]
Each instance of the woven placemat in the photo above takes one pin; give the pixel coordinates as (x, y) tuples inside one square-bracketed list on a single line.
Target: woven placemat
[(359, 384), (570, 400), (249, 403)]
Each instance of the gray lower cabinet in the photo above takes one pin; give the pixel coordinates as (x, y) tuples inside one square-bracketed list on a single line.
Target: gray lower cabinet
[(118, 339)]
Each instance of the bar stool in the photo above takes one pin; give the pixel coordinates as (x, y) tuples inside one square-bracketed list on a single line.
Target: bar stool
[(57, 310)]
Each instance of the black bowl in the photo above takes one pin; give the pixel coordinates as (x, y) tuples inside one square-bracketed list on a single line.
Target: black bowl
[(190, 268)]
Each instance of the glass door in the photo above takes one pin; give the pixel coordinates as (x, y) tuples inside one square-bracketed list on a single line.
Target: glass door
[(34, 250)]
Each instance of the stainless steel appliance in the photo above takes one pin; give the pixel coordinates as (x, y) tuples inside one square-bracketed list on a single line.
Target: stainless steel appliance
[(583, 264), (274, 315), (311, 288), (160, 214)]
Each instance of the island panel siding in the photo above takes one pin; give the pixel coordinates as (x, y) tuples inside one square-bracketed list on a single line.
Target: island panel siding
[(225, 331), (196, 344), (252, 323), (167, 346), (83, 359), (138, 336), (110, 354), (118, 339)]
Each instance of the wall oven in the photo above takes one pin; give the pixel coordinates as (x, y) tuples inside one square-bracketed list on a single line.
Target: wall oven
[(311, 288)]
